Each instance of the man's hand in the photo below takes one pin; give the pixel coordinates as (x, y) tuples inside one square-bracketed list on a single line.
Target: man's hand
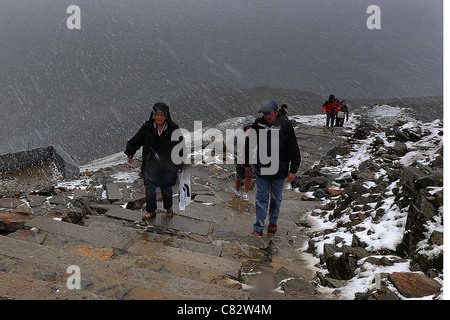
[(290, 177), (130, 160), (248, 170)]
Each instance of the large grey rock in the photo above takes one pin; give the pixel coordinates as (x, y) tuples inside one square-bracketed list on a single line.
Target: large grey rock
[(28, 158)]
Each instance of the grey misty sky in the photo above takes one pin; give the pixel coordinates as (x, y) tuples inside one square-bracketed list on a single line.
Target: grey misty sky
[(88, 89), (318, 45)]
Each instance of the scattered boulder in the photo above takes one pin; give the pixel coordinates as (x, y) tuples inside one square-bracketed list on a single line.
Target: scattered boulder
[(74, 215), (10, 203), (62, 161), (35, 201), (46, 191), (12, 221), (303, 223), (363, 130), (380, 294), (293, 284), (414, 285), (341, 262), (400, 135), (339, 150), (400, 148)]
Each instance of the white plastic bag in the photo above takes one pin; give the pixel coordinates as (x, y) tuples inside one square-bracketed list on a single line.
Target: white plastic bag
[(184, 189)]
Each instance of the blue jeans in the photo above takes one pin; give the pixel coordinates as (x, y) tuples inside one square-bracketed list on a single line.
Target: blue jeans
[(330, 116), (267, 188), (150, 196)]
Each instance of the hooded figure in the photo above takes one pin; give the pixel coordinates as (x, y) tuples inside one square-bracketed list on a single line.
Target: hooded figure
[(155, 137), (160, 106), (248, 121)]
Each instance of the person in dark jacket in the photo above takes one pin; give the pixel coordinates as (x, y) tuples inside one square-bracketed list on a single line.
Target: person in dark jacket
[(281, 144), (330, 106), (243, 176), (342, 114), (283, 111), (157, 167)]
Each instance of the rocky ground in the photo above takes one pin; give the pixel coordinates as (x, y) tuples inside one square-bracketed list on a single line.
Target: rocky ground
[(381, 224), (329, 241)]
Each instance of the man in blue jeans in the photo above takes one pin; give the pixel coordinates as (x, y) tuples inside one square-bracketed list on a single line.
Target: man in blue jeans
[(276, 142)]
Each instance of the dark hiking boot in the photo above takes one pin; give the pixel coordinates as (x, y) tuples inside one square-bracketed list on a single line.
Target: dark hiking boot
[(149, 216), (272, 228)]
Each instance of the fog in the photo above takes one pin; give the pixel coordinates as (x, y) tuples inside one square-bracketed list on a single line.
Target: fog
[(90, 89)]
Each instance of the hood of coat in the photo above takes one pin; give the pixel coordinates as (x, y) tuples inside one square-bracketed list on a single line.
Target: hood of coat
[(160, 106)]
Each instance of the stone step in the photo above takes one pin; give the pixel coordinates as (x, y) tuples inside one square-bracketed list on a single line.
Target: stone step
[(139, 233), (110, 275), (97, 237), (186, 263), (225, 234), (157, 256), (200, 211), (184, 288), (19, 287), (178, 223), (245, 248)]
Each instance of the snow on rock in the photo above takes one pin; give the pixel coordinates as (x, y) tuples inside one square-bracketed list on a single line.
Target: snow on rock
[(391, 208)]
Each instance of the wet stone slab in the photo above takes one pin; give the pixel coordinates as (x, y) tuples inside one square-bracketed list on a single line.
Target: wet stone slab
[(97, 237), (231, 236), (203, 212), (178, 223), (113, 191)]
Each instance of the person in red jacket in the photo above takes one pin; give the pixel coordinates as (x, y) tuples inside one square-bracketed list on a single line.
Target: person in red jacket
[(330, 107)]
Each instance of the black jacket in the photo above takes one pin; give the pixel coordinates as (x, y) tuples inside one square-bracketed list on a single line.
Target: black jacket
[(287, 148), (157, 164), (344, 109)]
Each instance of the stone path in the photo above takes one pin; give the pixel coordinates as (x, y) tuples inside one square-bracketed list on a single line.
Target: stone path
[(205, 252)]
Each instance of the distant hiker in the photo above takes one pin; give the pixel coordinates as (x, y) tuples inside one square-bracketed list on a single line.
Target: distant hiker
[(330, 106), (341, 114), (244, 174), (270, 186), (157, 166), (283, 111)]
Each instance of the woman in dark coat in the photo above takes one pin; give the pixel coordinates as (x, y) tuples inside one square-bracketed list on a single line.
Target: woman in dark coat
[(157, 166)]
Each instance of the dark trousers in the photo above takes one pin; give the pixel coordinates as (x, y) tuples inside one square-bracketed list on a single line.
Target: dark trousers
[(150, 193), (330, 118), (339, 122)]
